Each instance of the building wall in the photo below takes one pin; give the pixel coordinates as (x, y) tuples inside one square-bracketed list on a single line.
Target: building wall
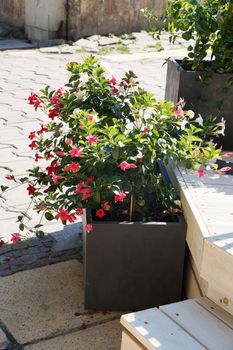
[(88, 17), (13, 12)]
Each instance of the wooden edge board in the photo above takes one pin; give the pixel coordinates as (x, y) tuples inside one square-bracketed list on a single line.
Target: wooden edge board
[(216, 310)]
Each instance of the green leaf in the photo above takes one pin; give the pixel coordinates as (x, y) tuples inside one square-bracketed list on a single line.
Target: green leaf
[(49, 216)]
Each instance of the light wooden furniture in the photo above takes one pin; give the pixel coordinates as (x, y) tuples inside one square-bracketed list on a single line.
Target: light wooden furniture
[(188, 325), (208, 209)]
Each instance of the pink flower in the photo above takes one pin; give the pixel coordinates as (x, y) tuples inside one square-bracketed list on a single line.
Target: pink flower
[(225, 169), (56, 178), (120, 196), (69, 142), (88, 228), (15, 238), (60, 153), (43, 129), (115, 90), (72, 167), (228, 154), (113, 81), (100, 213), (89, 116), (125, 165), (76, 152), (201, 172), (79, 211), (106, 206), (92, 139), (181, 102), (179, 111), (85, 191)]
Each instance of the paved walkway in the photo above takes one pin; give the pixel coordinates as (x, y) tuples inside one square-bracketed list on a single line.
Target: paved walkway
[(43, 308)]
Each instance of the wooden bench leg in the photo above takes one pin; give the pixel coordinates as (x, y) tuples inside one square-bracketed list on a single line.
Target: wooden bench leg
[(130, 343)]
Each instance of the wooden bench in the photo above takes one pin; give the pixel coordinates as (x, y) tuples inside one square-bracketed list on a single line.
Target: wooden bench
[(188, 325)]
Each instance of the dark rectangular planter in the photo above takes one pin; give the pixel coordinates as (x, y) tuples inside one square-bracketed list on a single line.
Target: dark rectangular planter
[(133, 266), (202, 98)]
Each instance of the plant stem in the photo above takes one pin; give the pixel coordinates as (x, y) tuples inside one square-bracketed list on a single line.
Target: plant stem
[(132, 204)]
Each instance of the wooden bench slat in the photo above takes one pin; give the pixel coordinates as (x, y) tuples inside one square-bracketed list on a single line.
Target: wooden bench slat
[(201, 324), (155, 331)]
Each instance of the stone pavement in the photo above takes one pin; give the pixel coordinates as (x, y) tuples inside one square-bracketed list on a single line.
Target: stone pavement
[(43, 308)]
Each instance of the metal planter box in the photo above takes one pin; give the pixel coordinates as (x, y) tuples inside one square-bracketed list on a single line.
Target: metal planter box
[(133, 266), (202, 98)]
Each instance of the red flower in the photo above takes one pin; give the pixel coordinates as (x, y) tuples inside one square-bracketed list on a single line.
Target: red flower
[(113, 81), (76, 152), (100, 213), (47, 189), (53, 113), (201, 172), (89, 179), (15, 238), (56, 178), (52, 169), (10, 177), (34, 100), (92, 139), (125, 165), (43, 129), (79, 211), (32, 135), (37, 157), (145, 131), (88, 228), (41, 207), (48, 155), (123, 83), (31, 189), (120, 196), (106, 206), (73, 167), (72, 218), (63, 214), (33, 144), (85, 191)]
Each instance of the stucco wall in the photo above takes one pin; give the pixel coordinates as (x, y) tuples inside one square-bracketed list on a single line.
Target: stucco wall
[(13, 12), (89, 17)]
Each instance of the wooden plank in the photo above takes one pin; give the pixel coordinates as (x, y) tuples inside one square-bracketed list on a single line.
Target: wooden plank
[(209, 330), (130, 343), (156, 331), (216, 311), (222, 298)]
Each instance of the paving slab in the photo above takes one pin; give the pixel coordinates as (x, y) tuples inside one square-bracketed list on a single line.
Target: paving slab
[(48, 301), (103, 337)]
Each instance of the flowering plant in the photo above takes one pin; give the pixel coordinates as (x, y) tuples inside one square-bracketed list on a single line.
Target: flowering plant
[(99, 148)]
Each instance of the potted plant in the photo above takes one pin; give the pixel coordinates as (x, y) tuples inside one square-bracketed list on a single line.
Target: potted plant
[(204, 78), (101, 144)]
